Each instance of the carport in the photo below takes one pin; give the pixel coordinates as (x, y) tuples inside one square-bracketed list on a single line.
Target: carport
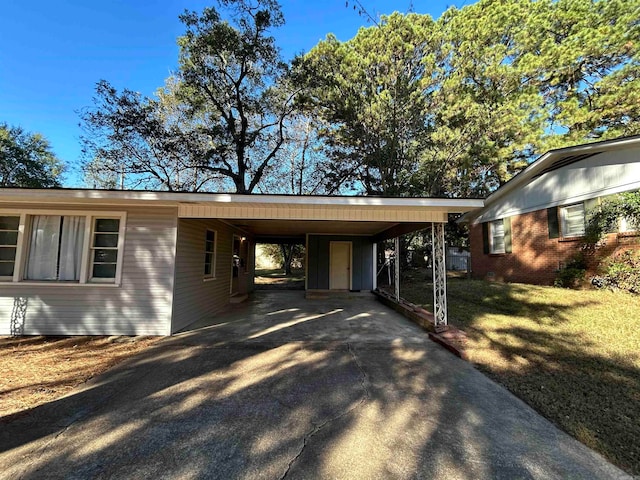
[(340, 232), (174, 258)]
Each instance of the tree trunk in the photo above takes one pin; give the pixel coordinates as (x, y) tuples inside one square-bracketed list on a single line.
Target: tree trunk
[(287, 256)]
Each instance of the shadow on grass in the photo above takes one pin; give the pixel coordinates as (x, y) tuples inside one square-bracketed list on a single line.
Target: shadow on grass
[(535, 345)]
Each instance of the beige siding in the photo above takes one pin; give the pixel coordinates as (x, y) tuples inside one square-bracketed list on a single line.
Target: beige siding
[(196, 298), (141, 305), (316, 212)]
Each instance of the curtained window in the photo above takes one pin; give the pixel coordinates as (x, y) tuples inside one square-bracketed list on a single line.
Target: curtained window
[(55, 248), (497, 237), (573, 221)]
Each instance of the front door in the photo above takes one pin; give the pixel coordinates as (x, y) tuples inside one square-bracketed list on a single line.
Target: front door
[(340, 265)]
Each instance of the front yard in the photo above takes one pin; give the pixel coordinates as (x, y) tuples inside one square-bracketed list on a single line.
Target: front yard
[(573, 355), (36, 370)]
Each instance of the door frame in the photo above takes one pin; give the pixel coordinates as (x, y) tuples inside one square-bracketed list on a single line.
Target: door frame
[(233, 241), (350, 270)]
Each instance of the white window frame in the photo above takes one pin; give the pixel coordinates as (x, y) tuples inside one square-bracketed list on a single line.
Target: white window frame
[(212, 275), (564, 220), (492, 248), (15, 258), (24, 235), (92, 247)]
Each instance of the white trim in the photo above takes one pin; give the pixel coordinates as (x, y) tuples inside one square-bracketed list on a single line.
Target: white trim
[(306, 261), (212, 275), (135, 197), (120, 249), (375, 265), (56, 283)]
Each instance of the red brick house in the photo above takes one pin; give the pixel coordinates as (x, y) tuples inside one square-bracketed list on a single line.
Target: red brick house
[(532, 225)]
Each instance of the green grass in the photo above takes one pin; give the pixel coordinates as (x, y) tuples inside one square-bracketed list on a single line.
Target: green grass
[(296, 274), (573, 355)]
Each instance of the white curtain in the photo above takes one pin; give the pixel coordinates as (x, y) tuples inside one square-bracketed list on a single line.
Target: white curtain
[(43, 249), (55, 255), (71, 248)]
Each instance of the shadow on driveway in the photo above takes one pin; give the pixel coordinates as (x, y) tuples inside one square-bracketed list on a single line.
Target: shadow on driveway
[(287, 387)]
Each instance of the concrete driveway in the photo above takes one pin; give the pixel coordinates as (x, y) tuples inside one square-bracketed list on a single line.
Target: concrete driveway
[(284, 387)]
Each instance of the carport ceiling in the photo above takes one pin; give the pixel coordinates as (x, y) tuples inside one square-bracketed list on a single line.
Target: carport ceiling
[(291, 228)]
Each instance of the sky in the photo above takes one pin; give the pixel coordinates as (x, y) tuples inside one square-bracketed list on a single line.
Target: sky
[(54, 52)]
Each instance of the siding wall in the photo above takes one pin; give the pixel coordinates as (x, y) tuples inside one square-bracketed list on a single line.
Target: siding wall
[(141, 305), (597, 176), (318, 259), (196, 298)]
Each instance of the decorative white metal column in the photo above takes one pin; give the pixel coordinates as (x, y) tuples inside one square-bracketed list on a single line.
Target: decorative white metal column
[(438, 253), (397, 268)]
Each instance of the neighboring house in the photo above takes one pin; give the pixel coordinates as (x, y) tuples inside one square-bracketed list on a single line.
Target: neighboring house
[(533, 225), (77, 262)]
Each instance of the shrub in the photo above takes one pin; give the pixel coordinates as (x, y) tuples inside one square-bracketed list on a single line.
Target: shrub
[(606, 216), (621, 273), (572, 275)]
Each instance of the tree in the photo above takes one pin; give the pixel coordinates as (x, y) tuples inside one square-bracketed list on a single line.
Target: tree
[(136, 142), (235, 79), (26, 160), (373, 94), (299, 171), (219, 122), (301, 162), (458, 106)]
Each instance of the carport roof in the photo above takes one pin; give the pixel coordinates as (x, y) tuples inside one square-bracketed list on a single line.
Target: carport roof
[(267, 216)]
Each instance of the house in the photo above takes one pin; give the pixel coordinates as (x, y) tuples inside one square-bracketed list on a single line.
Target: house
[(532, 226), (101, 262)]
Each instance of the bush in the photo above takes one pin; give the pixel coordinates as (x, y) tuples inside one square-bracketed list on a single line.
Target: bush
[(606, 216), (572, 275), (621, 273)]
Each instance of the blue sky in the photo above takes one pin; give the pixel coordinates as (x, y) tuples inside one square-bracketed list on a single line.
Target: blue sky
[(53, 53)]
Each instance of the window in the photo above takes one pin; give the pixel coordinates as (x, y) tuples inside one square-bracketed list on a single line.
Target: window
[(9, 226), (104, 249), (55, 248), (210, 254), (496, 237), (73, 247), (572, 218), (626, 226)]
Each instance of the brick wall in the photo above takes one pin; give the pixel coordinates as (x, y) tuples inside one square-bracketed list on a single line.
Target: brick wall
[(535, 257)]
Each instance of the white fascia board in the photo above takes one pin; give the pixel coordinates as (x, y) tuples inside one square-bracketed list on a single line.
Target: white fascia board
[(174, 198)]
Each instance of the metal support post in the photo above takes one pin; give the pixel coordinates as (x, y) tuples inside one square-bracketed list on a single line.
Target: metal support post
[(397, 268), (438, 252)]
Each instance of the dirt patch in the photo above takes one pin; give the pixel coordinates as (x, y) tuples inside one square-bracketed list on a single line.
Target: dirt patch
[(36, 370)]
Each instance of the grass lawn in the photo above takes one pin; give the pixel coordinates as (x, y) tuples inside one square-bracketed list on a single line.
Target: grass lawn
[(276, 279), (573, 355), (36, 370)]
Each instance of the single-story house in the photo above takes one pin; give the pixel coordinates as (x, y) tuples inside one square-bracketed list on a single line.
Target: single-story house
[(533, 225), (104, 262)]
